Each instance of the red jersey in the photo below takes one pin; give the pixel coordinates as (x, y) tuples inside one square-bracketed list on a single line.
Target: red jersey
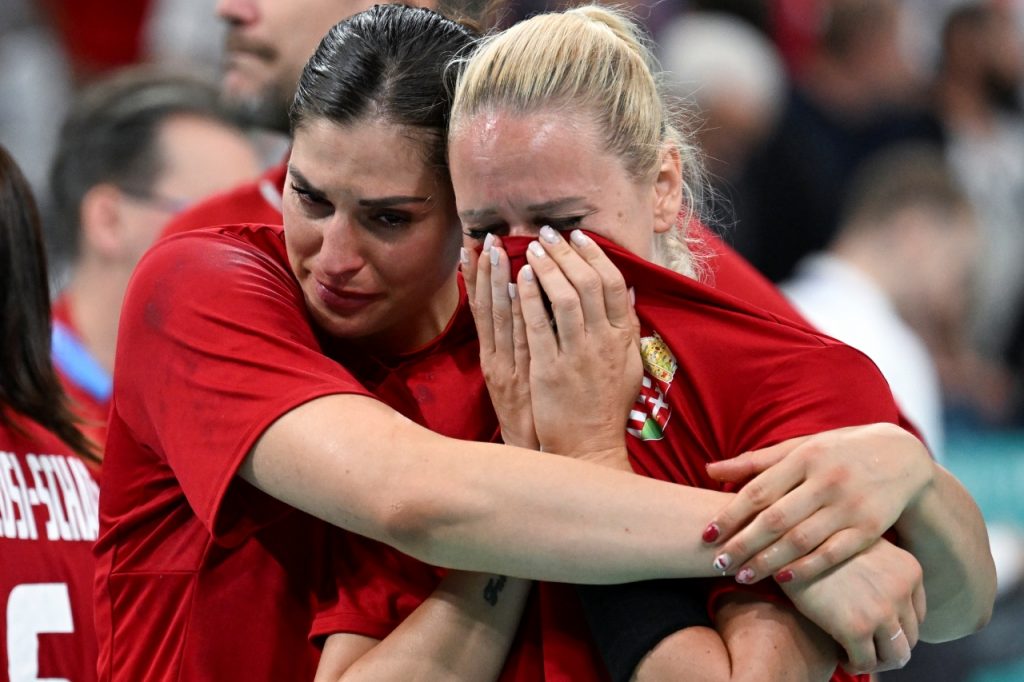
[(721, 377), (85, 381), (258, 201), (48, 522), (200, 575)]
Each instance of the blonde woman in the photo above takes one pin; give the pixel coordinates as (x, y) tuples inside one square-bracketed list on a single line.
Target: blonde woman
[(541, 146)]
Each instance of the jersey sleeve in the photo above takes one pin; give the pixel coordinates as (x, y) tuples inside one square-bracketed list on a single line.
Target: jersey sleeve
[(375, 588), (814, 390), (214, 345)]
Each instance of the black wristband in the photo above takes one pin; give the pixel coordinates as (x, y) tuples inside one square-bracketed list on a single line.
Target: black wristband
[(627, 621)]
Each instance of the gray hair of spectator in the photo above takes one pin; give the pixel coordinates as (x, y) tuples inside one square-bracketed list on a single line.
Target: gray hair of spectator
[(111, 136), (710, 54)]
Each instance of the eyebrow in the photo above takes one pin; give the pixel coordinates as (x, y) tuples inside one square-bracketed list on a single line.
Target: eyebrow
[(553, 205), (376, 202)]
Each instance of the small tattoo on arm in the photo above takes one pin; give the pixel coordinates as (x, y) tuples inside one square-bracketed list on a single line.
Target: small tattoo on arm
[(494, 587)]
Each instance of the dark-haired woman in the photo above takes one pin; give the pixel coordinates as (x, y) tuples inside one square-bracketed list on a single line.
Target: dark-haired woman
[(48, 487)]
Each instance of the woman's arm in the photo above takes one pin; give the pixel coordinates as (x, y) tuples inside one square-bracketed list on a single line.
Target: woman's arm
[(478, 506), (861, 482), (461, 632), (755, 640)]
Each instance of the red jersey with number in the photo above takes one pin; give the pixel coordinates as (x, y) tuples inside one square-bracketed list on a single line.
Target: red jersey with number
[(48, 522), (200, 575)]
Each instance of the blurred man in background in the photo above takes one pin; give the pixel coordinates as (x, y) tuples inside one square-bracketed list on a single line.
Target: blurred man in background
[(136, 150)]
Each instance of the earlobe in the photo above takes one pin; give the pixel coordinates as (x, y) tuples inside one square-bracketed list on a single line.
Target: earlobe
[(668, 189)]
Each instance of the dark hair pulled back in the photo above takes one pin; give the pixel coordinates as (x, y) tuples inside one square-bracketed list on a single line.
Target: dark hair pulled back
[(391, 62)]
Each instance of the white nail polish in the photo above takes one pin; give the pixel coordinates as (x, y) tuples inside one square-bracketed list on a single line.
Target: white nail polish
[(526, 273), (494, 257), (536, 249), (463, 255), (511, 290), (488, 240), (632, 296), (578, 238), (548, 234), (722, 562)]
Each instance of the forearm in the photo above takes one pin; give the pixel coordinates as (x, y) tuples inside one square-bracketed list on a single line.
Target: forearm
[(945, 532), (461, 632), (357, 464), (754, 641)]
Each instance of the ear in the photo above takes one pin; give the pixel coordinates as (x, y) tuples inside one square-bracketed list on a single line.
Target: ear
[(101, 221), (668, 189)]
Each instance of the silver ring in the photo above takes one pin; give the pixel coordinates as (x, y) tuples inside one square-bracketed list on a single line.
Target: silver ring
[(896, 634)]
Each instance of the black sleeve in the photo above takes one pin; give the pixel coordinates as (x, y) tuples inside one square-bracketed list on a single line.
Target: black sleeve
[(627, 621)]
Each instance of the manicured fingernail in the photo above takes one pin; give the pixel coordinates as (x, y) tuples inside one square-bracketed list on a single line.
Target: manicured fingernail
[(722, 562), (549, 235), (488, 241), (632, 296), (578, 238), (784, 576), (527, 273), (536, 249), (463, 256), (511, 290), (494, 256), (711, 533), (745, 576)]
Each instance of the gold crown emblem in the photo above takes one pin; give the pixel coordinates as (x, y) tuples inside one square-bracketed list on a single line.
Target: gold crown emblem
[(658, 359)]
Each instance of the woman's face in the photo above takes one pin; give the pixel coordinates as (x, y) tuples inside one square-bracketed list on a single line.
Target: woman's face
[(372, 233), (515, 173)]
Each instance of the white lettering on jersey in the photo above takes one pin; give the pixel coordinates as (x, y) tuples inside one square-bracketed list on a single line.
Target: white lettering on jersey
[(61, 484), (34, 609)]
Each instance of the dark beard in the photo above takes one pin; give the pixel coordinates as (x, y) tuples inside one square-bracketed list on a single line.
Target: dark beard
[(268, 110)]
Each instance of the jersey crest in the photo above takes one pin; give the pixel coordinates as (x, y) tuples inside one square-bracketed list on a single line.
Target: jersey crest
[(650, 414)]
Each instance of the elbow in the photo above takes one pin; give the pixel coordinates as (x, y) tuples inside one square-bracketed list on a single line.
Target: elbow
[(424, 524)]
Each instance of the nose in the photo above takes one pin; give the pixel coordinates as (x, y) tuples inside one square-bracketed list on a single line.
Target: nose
[(340, 254), (523, 230), (237, 12)]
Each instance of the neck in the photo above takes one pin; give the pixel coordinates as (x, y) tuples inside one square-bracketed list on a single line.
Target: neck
[(95, 294)]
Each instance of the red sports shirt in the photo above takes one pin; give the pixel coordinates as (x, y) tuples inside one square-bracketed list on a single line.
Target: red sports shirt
[(722, 377), (201, 576), (48, 522)]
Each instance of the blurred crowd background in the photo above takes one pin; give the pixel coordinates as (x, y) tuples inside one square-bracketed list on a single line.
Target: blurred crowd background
[(866, 155)]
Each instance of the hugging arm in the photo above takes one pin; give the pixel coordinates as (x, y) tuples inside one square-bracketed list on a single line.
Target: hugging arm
[(839, 492)]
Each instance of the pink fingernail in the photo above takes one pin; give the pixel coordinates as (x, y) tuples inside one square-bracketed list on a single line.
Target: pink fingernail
[(745, 576), (711, 533), (722, 562), (784, 576)]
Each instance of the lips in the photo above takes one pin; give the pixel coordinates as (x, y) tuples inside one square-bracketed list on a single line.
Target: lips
[(344, 301)]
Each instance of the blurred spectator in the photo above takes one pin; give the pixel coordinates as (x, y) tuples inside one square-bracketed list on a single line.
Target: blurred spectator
[(978, 100), (903, 255), (854, 98), (731, 76), (34, 89), (135, 150)]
